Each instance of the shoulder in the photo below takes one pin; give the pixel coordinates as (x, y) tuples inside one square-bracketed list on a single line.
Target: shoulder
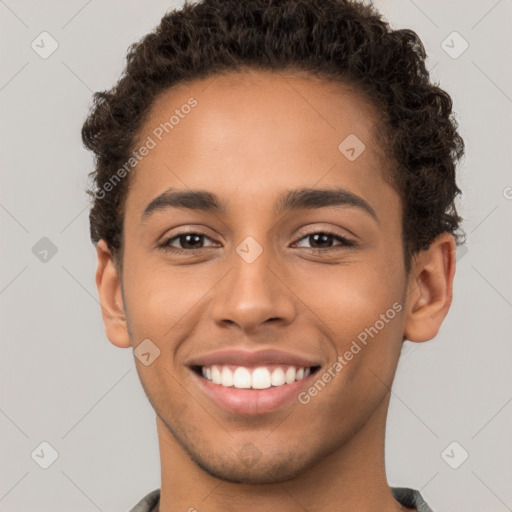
[(148, 503), (410, 498)]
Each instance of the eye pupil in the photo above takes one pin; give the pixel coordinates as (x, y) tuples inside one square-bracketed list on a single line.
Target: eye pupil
[(323, 236), (184, 240)]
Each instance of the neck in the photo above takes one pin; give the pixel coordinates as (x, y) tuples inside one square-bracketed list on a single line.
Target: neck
[(351, 478)]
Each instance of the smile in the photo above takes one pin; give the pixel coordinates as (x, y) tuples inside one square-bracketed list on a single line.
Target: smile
[(261, 377), (251, 382)]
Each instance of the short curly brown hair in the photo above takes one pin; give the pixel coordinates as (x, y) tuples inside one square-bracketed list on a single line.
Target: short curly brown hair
[(341, 40)]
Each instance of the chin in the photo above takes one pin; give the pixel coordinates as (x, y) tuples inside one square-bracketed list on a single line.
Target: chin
[(245, 463), (269, 471)]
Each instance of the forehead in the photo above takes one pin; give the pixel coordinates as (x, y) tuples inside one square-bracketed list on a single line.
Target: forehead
[(251, 130)]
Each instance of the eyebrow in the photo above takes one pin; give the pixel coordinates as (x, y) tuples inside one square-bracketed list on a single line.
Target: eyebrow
[(304, 198)]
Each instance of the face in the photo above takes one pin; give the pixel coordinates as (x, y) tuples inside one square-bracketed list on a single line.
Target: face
[(259, 281)]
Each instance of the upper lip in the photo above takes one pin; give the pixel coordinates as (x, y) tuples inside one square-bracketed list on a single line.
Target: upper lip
[(239, 357)]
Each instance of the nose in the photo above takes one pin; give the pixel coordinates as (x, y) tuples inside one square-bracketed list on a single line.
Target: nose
[(254, 294)]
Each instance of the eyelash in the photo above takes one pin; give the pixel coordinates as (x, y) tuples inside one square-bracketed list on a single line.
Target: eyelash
[(345, 243)]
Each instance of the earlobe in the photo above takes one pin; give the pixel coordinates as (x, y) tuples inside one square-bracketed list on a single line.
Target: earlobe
[(430, 289), (108, 284)]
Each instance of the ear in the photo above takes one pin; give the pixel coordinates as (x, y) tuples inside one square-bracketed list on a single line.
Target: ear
[(429, 293), (108, 284)]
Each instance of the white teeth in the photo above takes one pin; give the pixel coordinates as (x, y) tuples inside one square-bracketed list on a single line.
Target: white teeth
[(216, 378), (226, 377), (289, 376), (242, 378), (277, 377), (261, 378), (254, 378)]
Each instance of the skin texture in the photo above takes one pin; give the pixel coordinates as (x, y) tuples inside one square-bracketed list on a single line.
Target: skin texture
[(250, 138)]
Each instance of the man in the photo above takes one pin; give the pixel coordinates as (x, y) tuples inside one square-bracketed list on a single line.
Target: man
[(273, 215)]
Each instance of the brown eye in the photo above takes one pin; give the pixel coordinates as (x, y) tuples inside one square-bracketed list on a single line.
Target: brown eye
[(322, 240), (187, 242), (190, 241)]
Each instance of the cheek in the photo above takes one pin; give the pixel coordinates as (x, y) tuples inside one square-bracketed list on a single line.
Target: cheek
[(361, 314), (346, 299), (159, 299)]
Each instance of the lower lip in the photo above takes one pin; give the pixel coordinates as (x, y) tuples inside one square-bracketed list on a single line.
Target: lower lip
[(252, 401)]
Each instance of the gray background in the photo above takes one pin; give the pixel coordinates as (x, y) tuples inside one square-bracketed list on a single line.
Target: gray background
[(64, 383)]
